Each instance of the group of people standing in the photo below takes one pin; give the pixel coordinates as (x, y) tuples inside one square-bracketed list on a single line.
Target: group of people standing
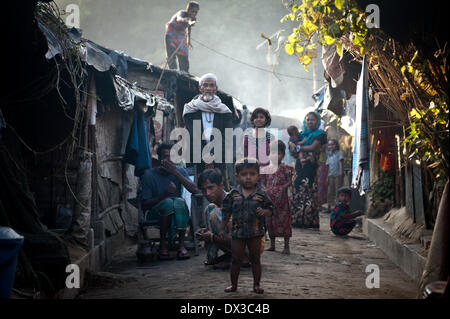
[(269, 196)]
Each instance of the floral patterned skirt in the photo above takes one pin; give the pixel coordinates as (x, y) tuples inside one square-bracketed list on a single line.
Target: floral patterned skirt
[(305, 212)]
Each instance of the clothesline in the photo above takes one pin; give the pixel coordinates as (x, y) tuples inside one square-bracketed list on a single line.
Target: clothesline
[(252, 66)]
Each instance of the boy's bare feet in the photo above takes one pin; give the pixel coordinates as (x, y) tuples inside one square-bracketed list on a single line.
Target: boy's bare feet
[(258, 290), (230, 289), (271, 248), (286, 251)]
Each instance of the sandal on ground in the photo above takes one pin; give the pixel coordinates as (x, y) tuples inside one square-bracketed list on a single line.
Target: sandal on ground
[(225, 257), (222, 265), (230, 289), (164, 254), (258, 290), (210, 262), (182, 254)]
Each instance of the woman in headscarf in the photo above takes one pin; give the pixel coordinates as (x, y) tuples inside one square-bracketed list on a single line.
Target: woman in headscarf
[(306, 210)]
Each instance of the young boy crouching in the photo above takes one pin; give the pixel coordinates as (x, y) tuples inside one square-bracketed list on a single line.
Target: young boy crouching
[(342, 221)]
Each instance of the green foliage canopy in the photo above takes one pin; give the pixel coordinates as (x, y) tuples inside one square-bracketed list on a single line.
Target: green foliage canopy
[(323, 22), (421, 92)]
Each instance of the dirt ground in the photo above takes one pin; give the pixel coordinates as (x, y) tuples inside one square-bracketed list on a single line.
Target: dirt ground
[(320, 265)]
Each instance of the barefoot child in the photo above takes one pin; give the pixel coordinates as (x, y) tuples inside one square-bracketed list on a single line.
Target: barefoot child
[(276, 185), (342, 221), (248, 205)]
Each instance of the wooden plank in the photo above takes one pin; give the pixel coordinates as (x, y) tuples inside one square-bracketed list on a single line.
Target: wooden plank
[(419, 214), (409, 190)]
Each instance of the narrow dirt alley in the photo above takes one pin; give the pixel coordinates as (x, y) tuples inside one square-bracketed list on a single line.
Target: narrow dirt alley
[(320, 265)]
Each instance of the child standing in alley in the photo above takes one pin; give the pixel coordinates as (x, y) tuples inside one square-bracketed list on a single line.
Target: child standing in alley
[(335, 163), (277, 185), (248, 205), (342, 221)]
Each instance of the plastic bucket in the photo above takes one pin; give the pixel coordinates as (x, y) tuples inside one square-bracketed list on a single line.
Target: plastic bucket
[(10, 244)]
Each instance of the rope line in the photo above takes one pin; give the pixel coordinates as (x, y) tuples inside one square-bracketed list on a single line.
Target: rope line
[(251, 65)]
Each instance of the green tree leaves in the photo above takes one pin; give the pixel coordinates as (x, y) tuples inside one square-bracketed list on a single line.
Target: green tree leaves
[(324, 22)]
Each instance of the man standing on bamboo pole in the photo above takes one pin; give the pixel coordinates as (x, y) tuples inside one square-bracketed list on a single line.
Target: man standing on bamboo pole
[(178, 36)]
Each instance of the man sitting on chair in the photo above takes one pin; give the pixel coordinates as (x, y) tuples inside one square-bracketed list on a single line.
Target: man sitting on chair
[(161, 197)]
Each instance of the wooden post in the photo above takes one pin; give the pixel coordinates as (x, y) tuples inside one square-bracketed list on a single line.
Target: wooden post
[(90, 141), (397, 167), (270, 63), (314, 76)]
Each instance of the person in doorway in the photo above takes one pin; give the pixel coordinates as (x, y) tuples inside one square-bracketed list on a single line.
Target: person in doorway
[(178, 36), (161, 199), (248, 205), (335, 163), (245, 119)]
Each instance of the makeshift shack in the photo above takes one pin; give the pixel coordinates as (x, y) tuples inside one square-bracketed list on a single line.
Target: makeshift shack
[(66, 124)]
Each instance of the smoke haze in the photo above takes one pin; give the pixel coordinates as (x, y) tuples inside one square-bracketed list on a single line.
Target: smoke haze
[(231, 27)]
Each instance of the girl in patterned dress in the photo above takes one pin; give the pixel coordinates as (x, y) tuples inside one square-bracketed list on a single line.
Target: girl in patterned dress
[(277, 186)]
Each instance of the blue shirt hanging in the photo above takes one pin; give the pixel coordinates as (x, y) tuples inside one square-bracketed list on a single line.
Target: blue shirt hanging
[(137, 151)]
